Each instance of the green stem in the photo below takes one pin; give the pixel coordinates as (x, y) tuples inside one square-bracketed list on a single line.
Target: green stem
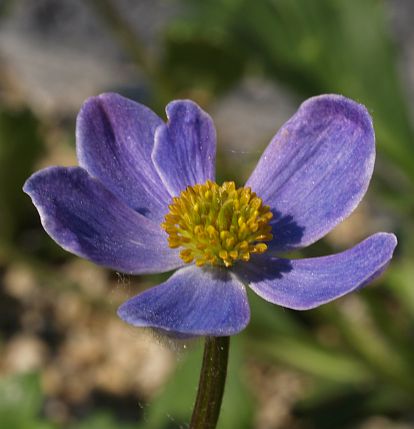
[(211, 385)]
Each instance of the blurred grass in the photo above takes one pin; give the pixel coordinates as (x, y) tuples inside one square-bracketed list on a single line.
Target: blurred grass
[(20, 148), (21, 402), (175, 403)]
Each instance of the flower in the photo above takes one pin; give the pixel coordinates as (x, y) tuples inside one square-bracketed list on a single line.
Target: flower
[(144, 200)]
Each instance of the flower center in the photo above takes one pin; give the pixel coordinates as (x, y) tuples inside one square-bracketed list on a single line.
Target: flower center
[(218, 225)]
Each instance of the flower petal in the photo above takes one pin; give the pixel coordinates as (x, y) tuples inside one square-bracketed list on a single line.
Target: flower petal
[(307, 283), (185, 148), (115, 137), (316, 169), (193, 302), (80, 214)]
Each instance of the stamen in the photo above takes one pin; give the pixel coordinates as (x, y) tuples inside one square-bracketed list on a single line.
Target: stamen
[(218, 225)]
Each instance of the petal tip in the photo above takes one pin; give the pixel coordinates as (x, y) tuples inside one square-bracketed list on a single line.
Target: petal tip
[(336, 103), (390, 240), (27, 186), (104, 96), (34, 182), (186, 108), (122, 313), (90, 103)]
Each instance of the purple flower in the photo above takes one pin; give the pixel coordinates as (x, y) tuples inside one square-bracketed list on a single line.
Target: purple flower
[(143, 200)]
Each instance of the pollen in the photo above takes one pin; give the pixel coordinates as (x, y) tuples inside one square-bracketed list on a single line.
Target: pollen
[(218, 225)]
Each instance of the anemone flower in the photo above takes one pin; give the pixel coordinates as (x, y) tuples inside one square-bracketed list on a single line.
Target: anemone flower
[(144, 200)]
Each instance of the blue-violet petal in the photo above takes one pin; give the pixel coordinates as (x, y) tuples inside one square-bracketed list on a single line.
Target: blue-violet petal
[(185, 148), (192, 302), (81, 215), (316, 169), (303, 284), (115, 138)]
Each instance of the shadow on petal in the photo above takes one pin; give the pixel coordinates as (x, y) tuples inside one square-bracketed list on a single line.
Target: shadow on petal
[(286, 232), (265, 268), (306, 283)]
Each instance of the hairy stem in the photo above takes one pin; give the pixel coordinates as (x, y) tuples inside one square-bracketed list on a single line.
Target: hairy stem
[(211, 385)]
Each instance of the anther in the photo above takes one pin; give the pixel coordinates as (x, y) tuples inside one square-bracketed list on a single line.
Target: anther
[(218, 225)]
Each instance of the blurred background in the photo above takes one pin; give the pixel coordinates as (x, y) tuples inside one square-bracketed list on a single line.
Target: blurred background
[(66, 361)]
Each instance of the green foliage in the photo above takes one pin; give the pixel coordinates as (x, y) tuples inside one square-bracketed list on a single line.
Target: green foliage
[(20, 148), (21, 400), (201, 63), (288, 342), (102, 420)]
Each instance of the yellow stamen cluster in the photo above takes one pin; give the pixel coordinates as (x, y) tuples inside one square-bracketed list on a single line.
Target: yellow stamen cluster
[(218, 225)]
